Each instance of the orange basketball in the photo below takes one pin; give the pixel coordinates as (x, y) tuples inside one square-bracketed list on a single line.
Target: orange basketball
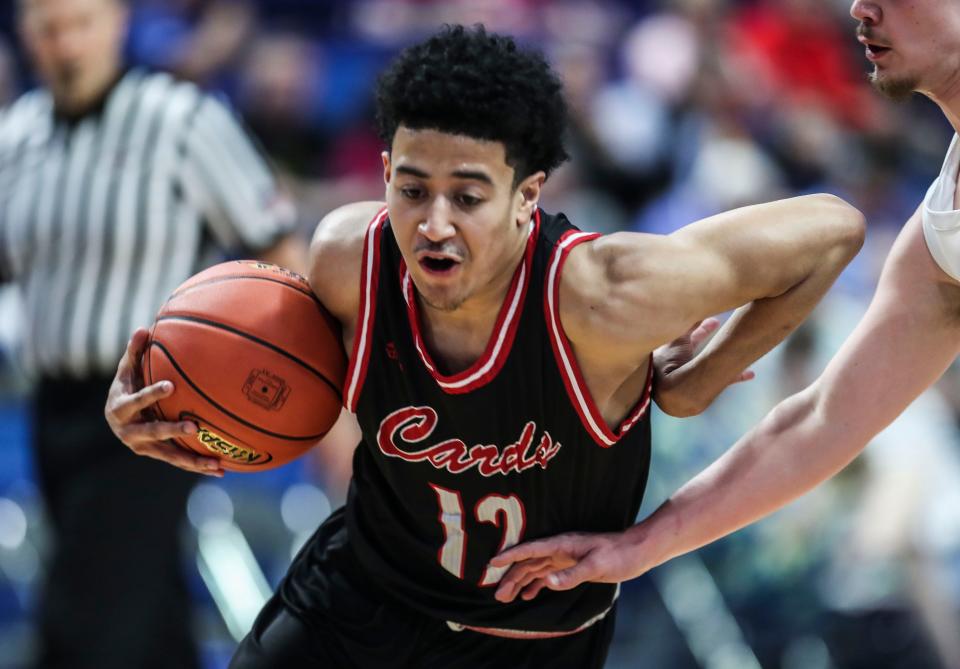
[(256, 362)]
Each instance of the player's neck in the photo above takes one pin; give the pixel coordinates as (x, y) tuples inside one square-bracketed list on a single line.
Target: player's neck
[(951, 109), (947, 96), (458, 337), (456, 345)]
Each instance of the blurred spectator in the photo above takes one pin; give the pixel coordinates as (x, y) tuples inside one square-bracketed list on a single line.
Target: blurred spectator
[(798, 51), (195, 39), (279, 92)]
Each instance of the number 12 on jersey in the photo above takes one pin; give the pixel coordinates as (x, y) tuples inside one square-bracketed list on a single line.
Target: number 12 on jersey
[(507, 513)]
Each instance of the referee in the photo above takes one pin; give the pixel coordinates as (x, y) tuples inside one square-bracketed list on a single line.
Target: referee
[(115, 186)]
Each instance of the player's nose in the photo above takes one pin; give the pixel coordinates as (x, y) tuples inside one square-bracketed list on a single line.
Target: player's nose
[(438, 224), (865, 11)]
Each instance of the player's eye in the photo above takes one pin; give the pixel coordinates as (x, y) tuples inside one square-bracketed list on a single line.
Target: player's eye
[(467, 200), (411, 192)]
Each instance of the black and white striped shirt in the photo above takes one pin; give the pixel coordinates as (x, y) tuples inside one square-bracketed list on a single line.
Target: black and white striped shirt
[(102, 217)]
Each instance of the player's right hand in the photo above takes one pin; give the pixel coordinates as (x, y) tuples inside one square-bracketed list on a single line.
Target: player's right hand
[(677, 389), (128, 414)]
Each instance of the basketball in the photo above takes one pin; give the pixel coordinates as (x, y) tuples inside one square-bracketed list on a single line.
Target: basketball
[(256, 362)]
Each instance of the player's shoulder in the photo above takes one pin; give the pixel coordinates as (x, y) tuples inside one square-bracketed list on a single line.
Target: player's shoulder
[(596, 263), (336, 256), (345, 227), (605, 282)]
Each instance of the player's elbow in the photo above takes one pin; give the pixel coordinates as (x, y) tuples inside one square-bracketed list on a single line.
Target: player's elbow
[(793, 415), (814, 418), (681, 402), (846, 228)]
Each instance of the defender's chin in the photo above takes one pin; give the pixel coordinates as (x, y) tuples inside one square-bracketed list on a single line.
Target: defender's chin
[(892, 87)]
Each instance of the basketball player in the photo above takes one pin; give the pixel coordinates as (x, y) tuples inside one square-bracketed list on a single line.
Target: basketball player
[(907, 339), (500, 368)]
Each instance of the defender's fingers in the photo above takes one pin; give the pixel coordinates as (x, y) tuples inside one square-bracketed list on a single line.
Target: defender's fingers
[(567, 579), (532, 576), (511, 582), (533, 589), (527, 551)]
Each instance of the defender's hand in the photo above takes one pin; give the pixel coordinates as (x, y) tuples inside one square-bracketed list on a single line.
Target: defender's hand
[(128, 414), (565, 561), (675, 391)]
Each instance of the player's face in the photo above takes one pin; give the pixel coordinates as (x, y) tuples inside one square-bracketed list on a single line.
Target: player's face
[(74, 45), (460, 224), (914, 45)]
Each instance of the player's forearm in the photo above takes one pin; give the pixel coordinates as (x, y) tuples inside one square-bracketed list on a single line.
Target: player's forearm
[(752, 331), (788, 453), (770, 248), (641, 291)]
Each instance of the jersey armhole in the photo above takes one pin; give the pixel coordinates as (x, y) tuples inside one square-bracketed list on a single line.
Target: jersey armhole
[(369, 281), (573, 380)]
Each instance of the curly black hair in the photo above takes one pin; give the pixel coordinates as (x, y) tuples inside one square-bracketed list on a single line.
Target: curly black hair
[(465, 81)]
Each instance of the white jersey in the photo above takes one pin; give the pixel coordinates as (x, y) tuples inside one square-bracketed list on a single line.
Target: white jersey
[(941, 222)]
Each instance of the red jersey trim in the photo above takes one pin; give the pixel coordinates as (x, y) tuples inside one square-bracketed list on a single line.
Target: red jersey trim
[(369, 280), (569, 368), (486, 368)]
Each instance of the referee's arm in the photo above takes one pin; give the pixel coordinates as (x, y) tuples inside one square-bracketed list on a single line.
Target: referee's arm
[(235, 188)]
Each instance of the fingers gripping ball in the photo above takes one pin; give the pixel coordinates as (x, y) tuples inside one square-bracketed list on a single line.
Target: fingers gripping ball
[(256, 361)]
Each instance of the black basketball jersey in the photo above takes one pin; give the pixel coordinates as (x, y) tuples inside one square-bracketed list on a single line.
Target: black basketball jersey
[(453, 469)]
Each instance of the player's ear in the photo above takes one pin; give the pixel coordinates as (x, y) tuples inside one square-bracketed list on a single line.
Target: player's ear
[(385, 157), (528, 195)]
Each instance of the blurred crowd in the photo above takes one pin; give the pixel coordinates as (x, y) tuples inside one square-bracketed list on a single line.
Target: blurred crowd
[(680, 109)]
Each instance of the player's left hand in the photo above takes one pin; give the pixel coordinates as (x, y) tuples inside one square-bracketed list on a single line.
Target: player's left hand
[(673, 390), (565, 561)]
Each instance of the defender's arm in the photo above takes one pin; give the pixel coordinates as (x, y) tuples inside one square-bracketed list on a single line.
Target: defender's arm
[(908, 337)]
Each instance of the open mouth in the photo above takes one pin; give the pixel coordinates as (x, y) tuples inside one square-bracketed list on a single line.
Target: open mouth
[(438, 265), (875, 51)]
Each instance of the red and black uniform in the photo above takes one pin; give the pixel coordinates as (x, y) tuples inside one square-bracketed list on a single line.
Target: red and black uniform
[(454, 468)]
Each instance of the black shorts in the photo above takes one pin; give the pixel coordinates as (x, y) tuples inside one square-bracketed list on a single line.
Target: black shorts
[(351, 624)]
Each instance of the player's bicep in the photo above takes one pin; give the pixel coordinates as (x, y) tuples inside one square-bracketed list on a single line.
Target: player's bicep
[(907, 339), (722, 262), (637, 291)]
